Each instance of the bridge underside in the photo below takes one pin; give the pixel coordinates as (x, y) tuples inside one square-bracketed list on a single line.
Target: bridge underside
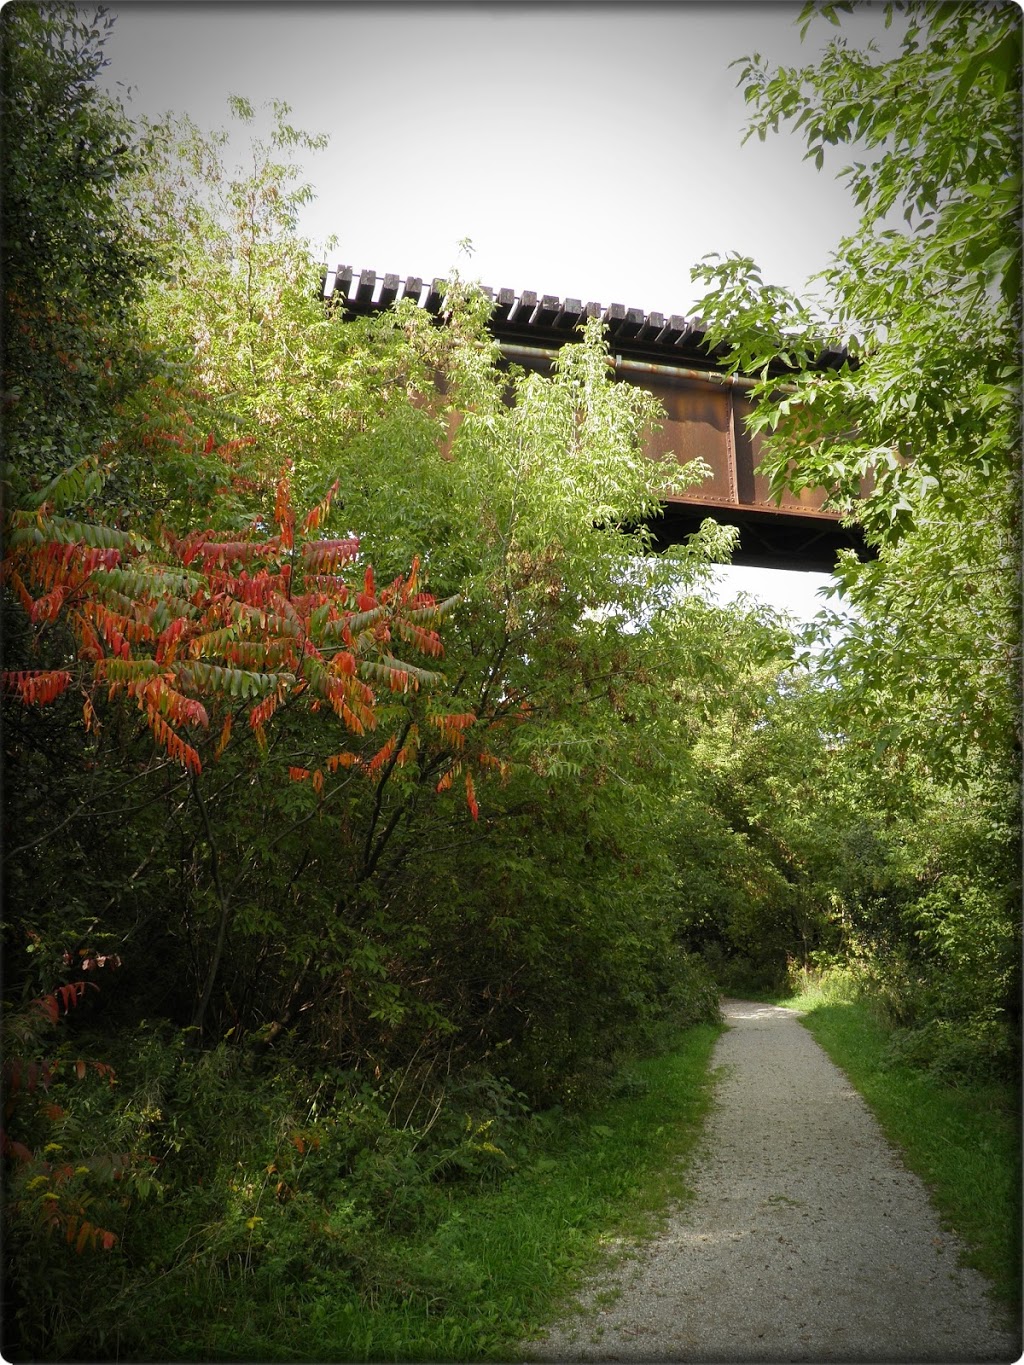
[(767, 540), (704, 408)]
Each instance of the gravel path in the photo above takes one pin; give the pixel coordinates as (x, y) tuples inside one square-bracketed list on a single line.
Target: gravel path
[(807, 1239)]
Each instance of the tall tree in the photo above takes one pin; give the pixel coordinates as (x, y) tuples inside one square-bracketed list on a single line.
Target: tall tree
[(913, 426), (319, 866), (74, 255), (917, 433)]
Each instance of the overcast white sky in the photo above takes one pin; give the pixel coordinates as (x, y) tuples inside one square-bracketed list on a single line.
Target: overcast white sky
[(588, 150)]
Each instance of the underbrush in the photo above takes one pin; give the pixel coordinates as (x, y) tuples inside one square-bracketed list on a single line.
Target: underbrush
[(962, 1138), (938, 1025), (745, 978), (265, 1217)]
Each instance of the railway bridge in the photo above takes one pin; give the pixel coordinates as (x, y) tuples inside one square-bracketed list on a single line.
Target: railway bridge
[(705, 410)]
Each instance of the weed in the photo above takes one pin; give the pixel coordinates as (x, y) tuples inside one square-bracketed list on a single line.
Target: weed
[(326, 1232)]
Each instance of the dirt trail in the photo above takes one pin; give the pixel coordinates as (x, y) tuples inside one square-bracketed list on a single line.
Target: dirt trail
[(807, 1239)]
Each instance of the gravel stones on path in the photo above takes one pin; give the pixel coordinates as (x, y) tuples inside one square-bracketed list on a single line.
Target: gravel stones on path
[(806, 1240)]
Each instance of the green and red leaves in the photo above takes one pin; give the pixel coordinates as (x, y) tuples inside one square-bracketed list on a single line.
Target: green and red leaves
[(328, 556), (185, 627), (453, 727), (313, 518)]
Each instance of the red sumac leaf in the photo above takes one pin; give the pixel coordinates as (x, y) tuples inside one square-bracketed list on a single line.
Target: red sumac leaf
[(48, 608), (317, 513), (382, 756), (174, 745), (71, 994), (89, 718), (327, 556), (367, 599), (37, 688), (262, 711)]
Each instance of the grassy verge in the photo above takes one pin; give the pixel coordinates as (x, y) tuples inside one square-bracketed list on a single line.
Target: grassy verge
[(496, 1262), (963, 1142)]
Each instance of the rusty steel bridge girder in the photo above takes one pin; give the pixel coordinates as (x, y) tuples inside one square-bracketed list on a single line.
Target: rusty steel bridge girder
[(705, 410)]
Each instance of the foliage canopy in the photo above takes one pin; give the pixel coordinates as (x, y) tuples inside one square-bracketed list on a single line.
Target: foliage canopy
[(372, 790)]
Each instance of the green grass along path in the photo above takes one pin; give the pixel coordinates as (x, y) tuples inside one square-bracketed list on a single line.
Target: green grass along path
[(808, 1238), (588, 1191)]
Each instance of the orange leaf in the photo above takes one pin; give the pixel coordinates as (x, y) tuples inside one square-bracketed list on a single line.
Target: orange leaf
[(90, 717), (39, 687), (225, 735), (262, 711), (174, 744), (343, 760), (317, 514), (449, 777), (48, 608), (284, 516), (382, 755)]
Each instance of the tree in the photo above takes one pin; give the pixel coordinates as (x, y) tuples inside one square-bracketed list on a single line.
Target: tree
[(916, 433), (899, 393), (222, 600), (74, 256)]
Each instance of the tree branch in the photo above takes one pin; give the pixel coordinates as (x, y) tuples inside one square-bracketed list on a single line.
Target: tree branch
[(199, 1016)]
